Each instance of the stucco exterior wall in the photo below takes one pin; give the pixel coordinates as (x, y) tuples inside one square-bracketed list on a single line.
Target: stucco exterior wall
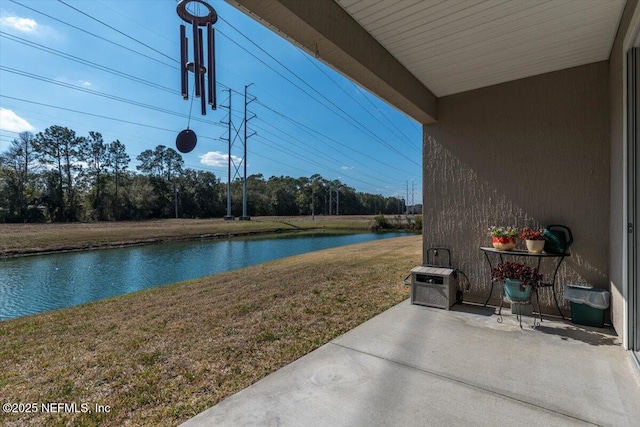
[(529, 152)]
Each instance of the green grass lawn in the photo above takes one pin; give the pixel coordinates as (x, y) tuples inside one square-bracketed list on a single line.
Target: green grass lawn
[(160, 356)]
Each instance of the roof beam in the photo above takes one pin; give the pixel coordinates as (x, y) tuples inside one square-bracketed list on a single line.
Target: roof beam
[(323, 28)]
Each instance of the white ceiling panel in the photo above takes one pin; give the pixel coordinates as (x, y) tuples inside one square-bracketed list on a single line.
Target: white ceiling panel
[(453, 46)]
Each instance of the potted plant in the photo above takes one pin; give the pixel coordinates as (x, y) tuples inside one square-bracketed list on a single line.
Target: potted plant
[(519, 279), (533, 238), (503, 238)]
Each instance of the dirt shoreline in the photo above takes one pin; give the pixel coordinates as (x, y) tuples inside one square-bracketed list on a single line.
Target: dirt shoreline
[(17, 240), (144, 242)]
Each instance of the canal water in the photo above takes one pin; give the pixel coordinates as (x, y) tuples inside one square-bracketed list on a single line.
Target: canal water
[(40, 283)]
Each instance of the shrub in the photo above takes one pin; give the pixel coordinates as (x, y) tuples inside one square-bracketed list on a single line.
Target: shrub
[(418, 222), (380, 223)]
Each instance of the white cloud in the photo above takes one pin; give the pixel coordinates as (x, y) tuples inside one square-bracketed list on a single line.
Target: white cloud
[(73, 82), (218, 159), (28, 26), (24, 25), (346, 168), (11, 122)]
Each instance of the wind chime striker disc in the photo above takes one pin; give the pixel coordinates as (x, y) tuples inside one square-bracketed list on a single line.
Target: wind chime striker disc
[(186, 141)]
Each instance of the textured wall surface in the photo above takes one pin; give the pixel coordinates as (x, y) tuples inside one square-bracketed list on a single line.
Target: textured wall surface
[(529, 152)]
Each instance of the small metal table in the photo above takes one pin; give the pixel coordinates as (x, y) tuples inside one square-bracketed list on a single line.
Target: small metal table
[(523, 253)]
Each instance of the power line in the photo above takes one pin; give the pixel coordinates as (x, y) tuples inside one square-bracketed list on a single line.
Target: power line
[(314, 133), (322, 154), (286, 78), (357, 122), (79, 60), (364, 95), (101, 116), (308, 145), (307, 159), (315, 136), (71, 57), (93, 35), (264, 51), (97, 93), (279, 147), (309, 130), (335, 83), (135, 139), (283, 149), (118, 31), (138, 24)]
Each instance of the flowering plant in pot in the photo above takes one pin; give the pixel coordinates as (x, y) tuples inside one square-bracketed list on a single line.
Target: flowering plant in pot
[(533, 238), (503, 238), (519, 279)]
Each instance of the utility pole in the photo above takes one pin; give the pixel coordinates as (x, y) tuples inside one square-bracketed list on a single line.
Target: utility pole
[(334, 198), (244, 180), (175, 196), (313, 204), (338, 200), (408, 196), (229, 216), (413, 194), (313, 198)]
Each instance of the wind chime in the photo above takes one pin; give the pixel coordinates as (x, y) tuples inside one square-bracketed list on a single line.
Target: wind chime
[(186, 140)]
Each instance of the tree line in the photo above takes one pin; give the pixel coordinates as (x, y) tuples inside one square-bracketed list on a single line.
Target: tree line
[(59, 176)]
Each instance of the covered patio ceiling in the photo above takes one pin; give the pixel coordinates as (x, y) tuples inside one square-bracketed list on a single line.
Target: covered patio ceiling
[(454, 46), (410, 52)]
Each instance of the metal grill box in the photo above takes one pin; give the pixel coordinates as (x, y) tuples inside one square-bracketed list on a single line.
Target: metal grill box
[(433, 286)]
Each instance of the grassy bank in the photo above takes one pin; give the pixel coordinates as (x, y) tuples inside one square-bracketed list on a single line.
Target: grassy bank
[(22, 239), (160, 356)]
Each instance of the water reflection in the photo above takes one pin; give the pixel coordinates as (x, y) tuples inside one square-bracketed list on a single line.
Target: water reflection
[(34, 284)]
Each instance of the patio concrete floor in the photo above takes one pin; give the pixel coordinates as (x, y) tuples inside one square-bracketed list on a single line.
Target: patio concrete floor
[(421, 366)]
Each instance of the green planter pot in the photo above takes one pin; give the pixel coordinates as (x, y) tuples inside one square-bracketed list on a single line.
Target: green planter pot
[(513, 291)]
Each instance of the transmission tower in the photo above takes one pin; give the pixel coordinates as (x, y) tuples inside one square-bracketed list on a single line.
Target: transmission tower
[(244, 160), (413, 195), (229, 124)]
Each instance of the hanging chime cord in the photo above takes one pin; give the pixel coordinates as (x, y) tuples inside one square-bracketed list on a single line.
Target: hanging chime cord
[(191, 105)]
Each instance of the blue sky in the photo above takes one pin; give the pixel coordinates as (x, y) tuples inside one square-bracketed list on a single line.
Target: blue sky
[(111, 66)]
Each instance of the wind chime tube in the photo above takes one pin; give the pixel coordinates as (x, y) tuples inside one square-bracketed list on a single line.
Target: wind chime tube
[(196, 58), (211, 66), (203, 98), (184, 73)]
